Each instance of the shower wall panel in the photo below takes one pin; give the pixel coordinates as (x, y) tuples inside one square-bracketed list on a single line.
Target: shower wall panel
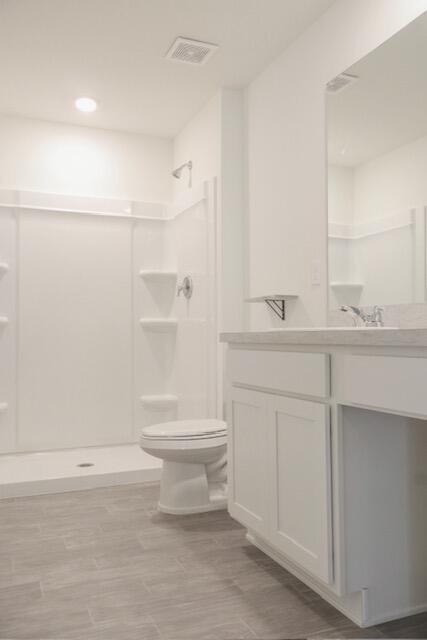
[(154, 298), (176, 367), (77, 366), (195, 364), (75, 331)]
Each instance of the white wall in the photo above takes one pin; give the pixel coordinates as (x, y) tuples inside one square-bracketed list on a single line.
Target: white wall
[(58, 158), (233, 229), (391, 182), (214, 141), (287, 152), (74, 323), (340, 194), (387, 263), (200, 141)]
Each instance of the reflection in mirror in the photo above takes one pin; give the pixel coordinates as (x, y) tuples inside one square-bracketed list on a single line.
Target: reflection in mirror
[(377, 174)]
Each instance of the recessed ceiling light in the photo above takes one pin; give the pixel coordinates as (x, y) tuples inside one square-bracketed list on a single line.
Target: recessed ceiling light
[(87, 105)]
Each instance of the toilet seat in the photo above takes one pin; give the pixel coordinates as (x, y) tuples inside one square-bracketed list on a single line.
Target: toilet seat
[(182, 430)]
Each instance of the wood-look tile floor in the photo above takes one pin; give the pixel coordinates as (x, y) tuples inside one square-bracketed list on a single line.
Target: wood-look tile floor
[(105, 565)]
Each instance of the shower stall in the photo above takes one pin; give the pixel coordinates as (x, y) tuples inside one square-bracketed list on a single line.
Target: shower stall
[(94, 341)]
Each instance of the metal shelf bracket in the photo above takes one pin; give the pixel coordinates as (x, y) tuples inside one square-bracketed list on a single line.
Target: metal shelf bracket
[(276, 302), (278, 306)]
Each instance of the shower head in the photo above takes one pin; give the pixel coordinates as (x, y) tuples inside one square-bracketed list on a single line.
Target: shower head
[(178, 172)]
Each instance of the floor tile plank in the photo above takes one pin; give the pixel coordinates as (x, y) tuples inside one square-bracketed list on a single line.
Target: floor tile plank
[(104, 564)]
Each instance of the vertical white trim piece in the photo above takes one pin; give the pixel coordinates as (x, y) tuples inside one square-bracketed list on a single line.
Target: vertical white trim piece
[(219, 348), (365, 606), (133, 320), (419, 255), (424, 242), (338, 492), (210, 189), (17, 323)]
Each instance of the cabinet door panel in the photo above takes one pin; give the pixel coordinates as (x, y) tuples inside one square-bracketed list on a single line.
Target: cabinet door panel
[(300, 483), (248, 450)]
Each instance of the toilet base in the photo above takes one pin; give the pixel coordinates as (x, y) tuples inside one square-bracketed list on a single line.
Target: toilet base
[(183, 511), (184, 489)]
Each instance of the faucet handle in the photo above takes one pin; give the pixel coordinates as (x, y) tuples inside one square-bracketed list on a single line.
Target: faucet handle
[(377, 313)]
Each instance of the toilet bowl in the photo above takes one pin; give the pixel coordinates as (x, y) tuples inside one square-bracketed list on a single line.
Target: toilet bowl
[(194, 454)]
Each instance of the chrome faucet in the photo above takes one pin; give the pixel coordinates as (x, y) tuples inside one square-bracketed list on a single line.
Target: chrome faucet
[(372, 319)]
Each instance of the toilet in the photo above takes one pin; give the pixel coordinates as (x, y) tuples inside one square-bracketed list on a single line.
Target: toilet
[(194, 454)]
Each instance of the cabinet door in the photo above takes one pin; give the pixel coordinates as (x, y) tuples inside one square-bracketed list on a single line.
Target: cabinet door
[(300, 483), (247, 458)]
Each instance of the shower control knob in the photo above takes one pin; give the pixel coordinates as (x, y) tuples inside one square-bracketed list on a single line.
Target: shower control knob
[(186, 287)]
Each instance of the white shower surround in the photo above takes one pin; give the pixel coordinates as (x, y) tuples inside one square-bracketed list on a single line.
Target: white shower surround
[(62, 387)]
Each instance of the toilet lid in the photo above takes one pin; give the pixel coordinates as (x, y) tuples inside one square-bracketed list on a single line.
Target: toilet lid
[(186, 429)]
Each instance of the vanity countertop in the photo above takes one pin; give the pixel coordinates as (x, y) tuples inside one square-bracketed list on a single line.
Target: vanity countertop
[(360, 337)]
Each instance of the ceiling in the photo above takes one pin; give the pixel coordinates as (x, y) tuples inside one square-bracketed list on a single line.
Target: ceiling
[(52, 51), (387, 106)]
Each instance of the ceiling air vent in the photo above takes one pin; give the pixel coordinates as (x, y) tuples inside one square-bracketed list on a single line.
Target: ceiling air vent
[(191, 51), (341, 82)]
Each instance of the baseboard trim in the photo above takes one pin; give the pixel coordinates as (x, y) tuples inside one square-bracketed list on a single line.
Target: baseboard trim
[(324, 592), (363, 619), (398, 615)]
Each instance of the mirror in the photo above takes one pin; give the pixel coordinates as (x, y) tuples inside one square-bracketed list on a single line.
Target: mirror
[(377, 174)]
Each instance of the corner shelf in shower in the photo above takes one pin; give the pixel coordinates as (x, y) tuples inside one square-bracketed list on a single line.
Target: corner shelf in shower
[(3, 321), (159, 325), (3, 407), (164, 402), (4, 268), (157, 275)]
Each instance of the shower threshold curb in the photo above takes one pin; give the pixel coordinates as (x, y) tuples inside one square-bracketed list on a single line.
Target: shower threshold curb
[(78, 483)]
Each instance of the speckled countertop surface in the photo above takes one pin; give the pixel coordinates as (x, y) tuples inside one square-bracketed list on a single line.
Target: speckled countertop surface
[(387, 337)]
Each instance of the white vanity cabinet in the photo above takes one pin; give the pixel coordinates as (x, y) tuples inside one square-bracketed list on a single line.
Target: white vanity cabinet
[(327, 458), (279, 455)]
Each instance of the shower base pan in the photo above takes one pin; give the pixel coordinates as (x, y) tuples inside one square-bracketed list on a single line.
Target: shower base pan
[(30, 474)]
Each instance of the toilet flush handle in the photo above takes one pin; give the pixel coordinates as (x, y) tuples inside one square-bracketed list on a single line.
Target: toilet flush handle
[(186, 287)]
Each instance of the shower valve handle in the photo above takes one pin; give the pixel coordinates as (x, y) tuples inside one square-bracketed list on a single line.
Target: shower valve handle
[(186, 287)]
